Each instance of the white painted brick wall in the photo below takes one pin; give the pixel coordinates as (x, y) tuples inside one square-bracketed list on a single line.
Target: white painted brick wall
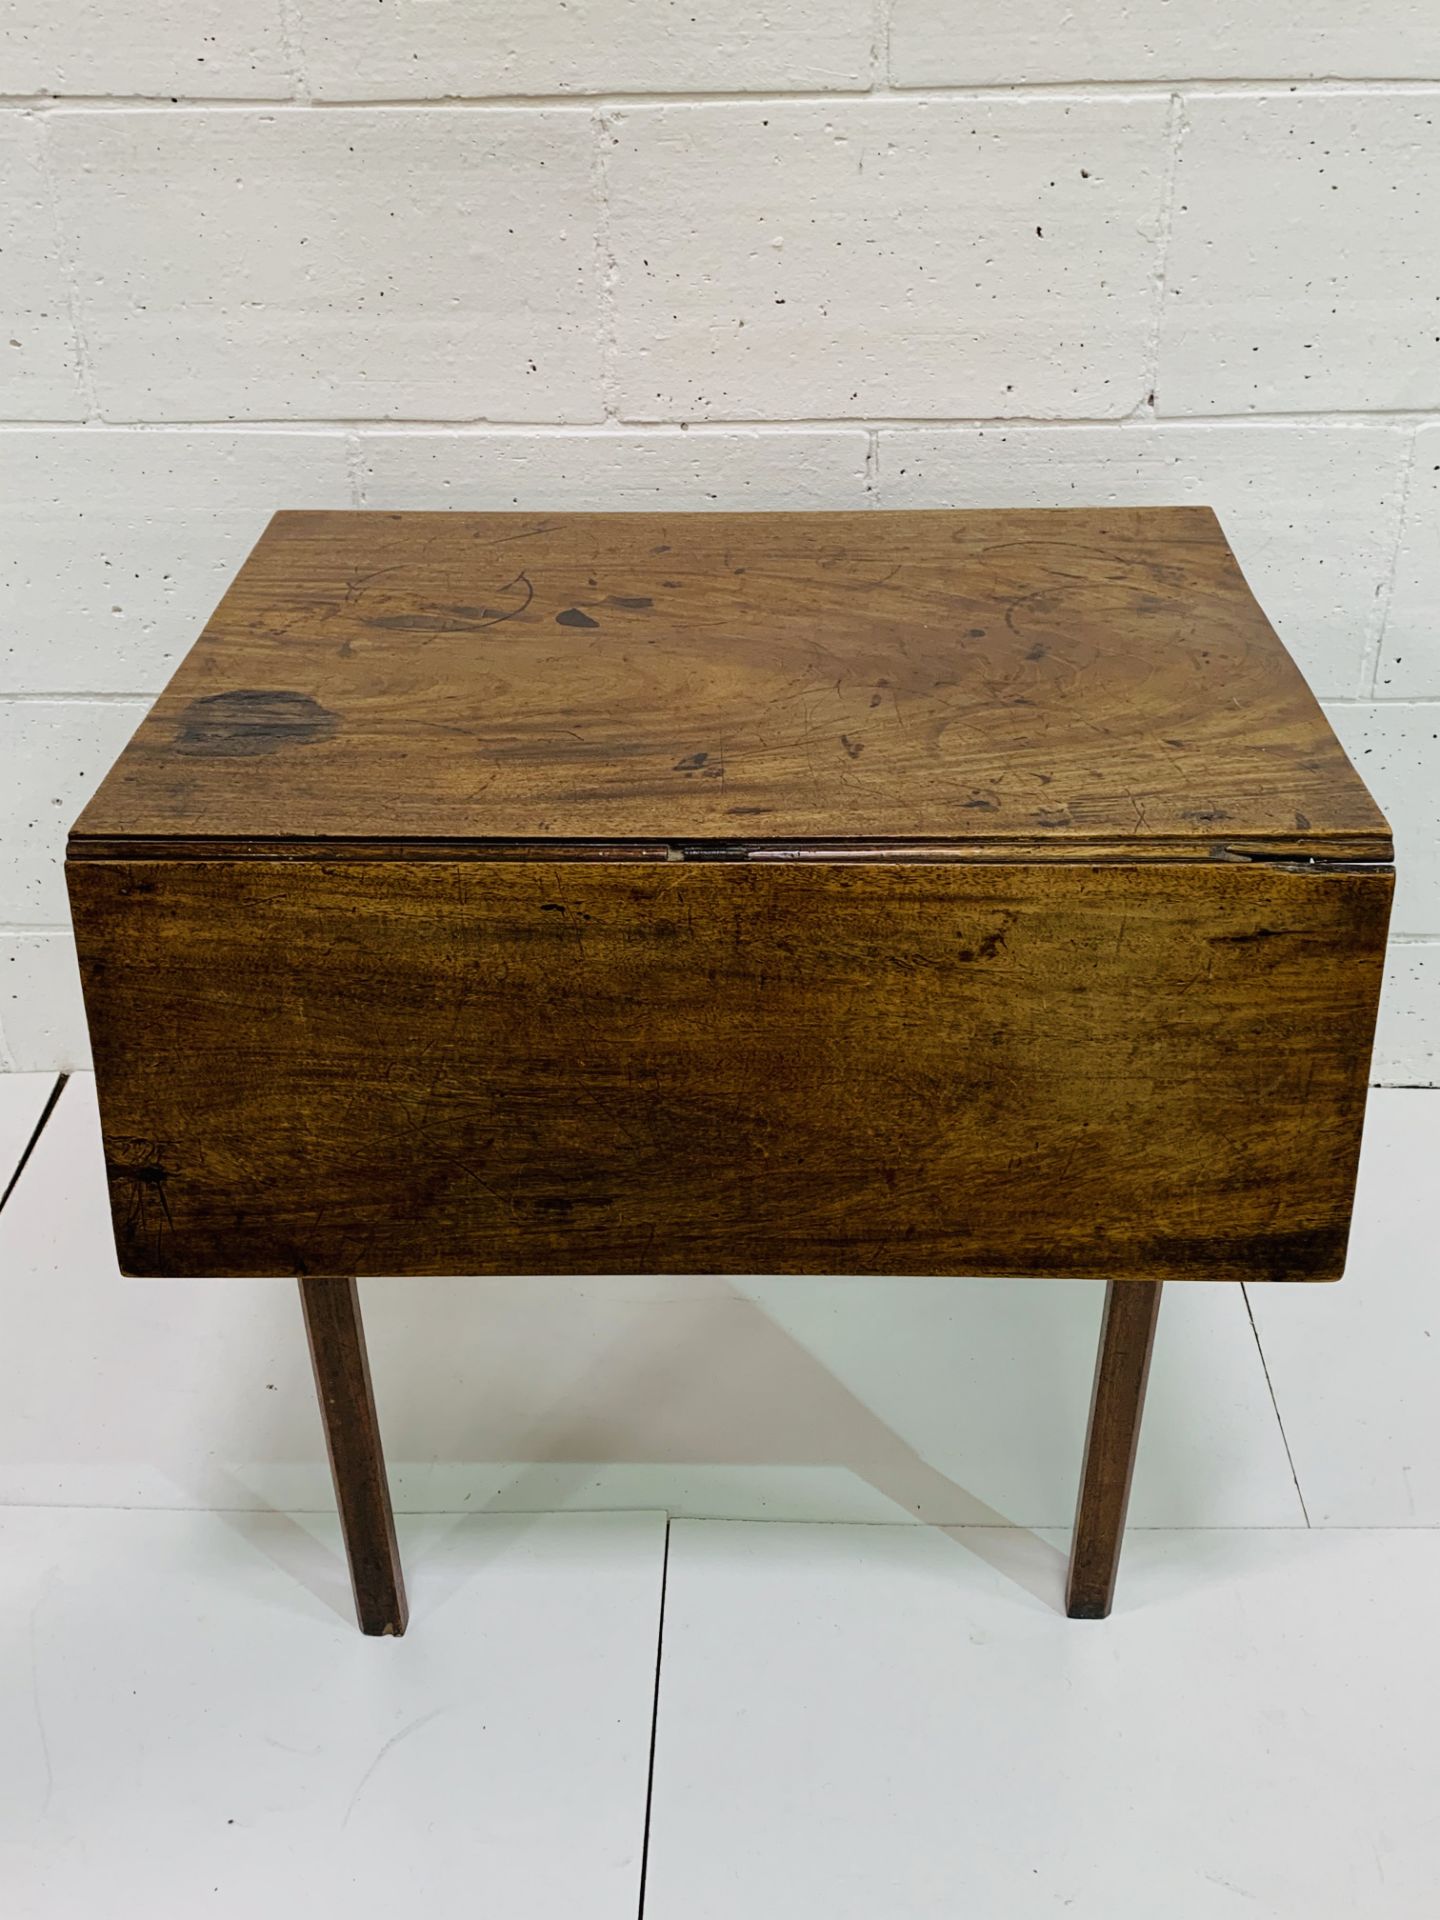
[(429, 264), (42, 1015), (670, 468), (1410, 660), (855, 259), (115, 546), (214, 48), (39, 356), (1301, 272), (642, 252), (439, 49), (52, 756), (972, 43)]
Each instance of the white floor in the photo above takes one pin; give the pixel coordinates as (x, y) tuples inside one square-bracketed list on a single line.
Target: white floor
[(189, 1724), (868, 1701)]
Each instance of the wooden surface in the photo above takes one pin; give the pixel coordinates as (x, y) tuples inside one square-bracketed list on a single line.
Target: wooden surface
[(1122, 1369), (1044, 681), (357, 1460), (893, 892), (1155, 1070)]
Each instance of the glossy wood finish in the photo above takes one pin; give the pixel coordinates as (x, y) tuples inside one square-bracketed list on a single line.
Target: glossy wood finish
[(1122, 1369), (1032, 679), (530, 1067), (357, 1460)]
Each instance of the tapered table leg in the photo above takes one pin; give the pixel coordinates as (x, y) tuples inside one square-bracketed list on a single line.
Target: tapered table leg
[(357, 1461), (1127, 1334)]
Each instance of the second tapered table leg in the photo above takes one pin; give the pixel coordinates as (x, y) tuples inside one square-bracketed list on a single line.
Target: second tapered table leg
[(1127, 1333), (357, 1461)]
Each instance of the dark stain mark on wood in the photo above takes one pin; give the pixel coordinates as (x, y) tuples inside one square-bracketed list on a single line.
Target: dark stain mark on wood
[(573, 617), (1250, 939), (853, 747), (1278, 1256), (137, 1173), (560, 1206), (633, 601), (692, 763), (988, 948), (250, 721), (150, 1173)]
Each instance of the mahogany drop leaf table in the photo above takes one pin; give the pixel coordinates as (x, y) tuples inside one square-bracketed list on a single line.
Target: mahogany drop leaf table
[(890, 893)]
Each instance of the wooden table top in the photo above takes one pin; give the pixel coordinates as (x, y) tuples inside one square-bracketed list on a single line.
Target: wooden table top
[(1049, 684)]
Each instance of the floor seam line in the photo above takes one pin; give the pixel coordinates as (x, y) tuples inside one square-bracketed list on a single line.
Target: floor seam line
[(8, 1506), (34, 1140), (654, 1725), (1270, 1385)]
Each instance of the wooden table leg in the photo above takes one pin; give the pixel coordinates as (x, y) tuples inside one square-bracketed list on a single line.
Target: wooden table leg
[(1127, 1333), (357, 1461)]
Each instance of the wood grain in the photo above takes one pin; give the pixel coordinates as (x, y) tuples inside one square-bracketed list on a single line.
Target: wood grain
[(1022, 679), (1122, 1369), (1151, 1070), (357, 1460)]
